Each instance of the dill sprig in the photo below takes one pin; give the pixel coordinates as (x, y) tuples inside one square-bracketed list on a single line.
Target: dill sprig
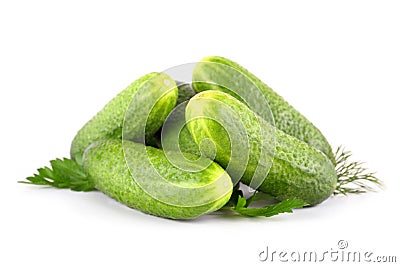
[(353, 178)]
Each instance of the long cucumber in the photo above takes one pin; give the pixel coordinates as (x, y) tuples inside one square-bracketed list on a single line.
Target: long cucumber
[(114, 167), (255, 152)]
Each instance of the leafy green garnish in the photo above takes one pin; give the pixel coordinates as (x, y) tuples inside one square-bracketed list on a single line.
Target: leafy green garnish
[(64, 173), (240, 205), (284, 206), (353, 178)]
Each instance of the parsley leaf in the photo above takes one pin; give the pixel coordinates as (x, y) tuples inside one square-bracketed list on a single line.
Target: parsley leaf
[(64, 173), (287, 205)]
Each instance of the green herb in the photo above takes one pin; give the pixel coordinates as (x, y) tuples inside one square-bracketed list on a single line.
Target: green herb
[(353, 178), (64, 173), (242, 206)]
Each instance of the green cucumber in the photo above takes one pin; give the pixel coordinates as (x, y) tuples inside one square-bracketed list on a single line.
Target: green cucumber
[(156, 89), (189, 194), (257, 153), (218, 73)]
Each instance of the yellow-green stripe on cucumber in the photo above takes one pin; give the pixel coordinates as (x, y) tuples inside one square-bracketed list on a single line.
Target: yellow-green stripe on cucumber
[(298, 170), (214, 71), (110, 163), (158, 93)]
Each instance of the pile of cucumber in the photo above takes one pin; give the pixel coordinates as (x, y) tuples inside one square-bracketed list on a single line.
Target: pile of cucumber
[(181, 150)]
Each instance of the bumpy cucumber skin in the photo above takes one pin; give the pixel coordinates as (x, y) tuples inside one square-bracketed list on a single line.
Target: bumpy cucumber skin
[(287, 118), (298, 170), (108, 123), (106, 165), (301, 171)]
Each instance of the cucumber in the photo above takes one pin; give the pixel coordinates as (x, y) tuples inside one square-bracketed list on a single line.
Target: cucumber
[(182, 195), (218, 73), (156, 89), (257, 153)]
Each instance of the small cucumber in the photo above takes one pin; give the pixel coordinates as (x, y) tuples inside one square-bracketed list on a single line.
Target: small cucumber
[(257, 153), (114, 166), (218, 73), (156, 89)]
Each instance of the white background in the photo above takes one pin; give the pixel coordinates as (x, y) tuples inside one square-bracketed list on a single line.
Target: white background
[(338, 62)]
